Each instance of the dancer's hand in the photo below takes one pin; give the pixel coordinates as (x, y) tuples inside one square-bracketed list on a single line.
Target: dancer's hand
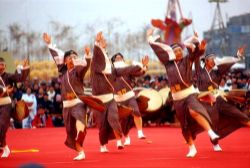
[(46, 38), (203, 45), (25, 63), (196, 34), (9, 89), (99, 37), (241, 51), (87, 50), (145, 61), (150, 32)]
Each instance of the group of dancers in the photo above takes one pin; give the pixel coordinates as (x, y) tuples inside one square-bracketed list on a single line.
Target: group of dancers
[(111, 81)]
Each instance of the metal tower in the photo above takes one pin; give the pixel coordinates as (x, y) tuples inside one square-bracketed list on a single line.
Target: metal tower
[(217, 20), (218, 36), (172, 11)]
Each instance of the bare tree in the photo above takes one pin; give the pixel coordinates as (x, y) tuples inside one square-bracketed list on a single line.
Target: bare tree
[(16, 34)]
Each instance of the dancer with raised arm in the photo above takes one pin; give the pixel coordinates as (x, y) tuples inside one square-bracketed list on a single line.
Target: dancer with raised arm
[(103, 76), (6, 81), (73, 70), (227, 117), (125, 95), (189, 110)]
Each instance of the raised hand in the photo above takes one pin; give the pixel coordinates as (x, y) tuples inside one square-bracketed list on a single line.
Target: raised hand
[(9, 90), (150, 32), (99, 37), (87, 50), (241, 51), (196, 34), (25, 63), (46, 38), (203, 45), (145, 60)]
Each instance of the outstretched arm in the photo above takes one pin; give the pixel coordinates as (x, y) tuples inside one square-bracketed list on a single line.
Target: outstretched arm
[(224, 64), (162, 51), (100, 62), (21, 73), (143, 67), (57, 54), (83, 64)]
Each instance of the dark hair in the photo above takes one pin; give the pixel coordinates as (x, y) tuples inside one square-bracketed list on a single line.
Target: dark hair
[(40, 106), (114, 57), (175, 45), (1, 59), (204, 57), (209, 55), (68, 53)]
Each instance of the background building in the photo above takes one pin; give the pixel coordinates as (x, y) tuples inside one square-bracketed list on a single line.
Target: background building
[(226, 41)]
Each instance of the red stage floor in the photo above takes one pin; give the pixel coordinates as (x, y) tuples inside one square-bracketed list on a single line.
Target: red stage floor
[(166, 148)]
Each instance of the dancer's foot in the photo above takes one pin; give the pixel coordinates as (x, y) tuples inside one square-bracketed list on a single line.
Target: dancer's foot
[(127, 141), (80, 156), (192, 151), (141, 135), (217, 148), (103, 149), (6, 152), (119, 144), (212, 135)]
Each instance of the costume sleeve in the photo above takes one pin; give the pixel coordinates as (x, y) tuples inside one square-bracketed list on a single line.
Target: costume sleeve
[(224, 64), (19, 77), (226, 60), (83, 67), (58, 57), (224, 68), (98, 60), (197, 66), (192, 45), (162, 51), (130, 70), (2, 90)]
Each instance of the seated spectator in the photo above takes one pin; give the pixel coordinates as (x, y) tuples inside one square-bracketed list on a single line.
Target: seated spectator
[(57, 117), (41, 119), (51, 93), (47, 104)]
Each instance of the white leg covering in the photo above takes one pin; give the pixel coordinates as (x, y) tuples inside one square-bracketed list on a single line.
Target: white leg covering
[(6, 152), (127, 141), (212, 134), (217, 148), (80, 156), (192, 151), (103, 149)]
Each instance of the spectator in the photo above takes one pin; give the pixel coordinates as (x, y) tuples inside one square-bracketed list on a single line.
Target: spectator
[(30, 100), (41, 119), (51, 93)]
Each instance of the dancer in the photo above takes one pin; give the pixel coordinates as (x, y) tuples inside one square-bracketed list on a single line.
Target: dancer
[(226, 117), (73, 70), (6, 81), (125, 95), (103, 76), (189, 110)]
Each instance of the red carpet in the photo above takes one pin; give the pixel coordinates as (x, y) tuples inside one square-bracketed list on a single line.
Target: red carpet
[(166, 150)]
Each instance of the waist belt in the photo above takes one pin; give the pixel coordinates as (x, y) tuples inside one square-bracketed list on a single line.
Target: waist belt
[(184, 93), (5, 100), (105, 97), (176, 88), (71, 103), (124, 97)]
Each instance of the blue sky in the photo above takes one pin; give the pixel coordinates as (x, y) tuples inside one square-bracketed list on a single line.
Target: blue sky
[(134, 13)]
